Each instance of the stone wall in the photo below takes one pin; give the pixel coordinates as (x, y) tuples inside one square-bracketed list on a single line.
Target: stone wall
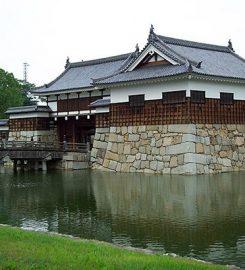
[(43, 135), (170, 149)]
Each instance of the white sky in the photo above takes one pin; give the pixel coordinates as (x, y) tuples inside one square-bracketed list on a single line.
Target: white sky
[(44, 32)]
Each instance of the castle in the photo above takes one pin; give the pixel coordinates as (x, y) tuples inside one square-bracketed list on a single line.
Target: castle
[(174, 107)]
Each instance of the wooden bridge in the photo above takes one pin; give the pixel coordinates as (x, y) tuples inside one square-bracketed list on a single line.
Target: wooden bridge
[(33, 153)]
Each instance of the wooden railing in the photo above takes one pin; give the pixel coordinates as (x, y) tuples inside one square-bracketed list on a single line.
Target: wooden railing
[(47, 146)]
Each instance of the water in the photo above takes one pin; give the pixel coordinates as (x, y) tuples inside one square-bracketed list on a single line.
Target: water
[(196, 216)]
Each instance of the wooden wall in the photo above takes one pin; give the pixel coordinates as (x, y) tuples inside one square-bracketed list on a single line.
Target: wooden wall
[(29, 124), (75, 104), (155, 112)]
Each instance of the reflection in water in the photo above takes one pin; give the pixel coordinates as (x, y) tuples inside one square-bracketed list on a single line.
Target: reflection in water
[(199, 216)]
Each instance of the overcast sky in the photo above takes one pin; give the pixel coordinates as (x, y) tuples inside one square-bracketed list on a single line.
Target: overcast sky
[(44, 32)]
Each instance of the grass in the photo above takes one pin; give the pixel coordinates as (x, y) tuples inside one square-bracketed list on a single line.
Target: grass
[(31, 250)]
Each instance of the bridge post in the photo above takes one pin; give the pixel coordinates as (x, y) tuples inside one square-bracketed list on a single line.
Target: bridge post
[(15, 165), (1, 166), (44, 165), (36, 165)]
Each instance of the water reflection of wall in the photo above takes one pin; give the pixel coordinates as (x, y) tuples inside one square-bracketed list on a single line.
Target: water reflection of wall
[(180, 213), (60, 201)]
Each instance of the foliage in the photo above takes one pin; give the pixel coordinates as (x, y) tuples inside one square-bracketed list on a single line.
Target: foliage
[(13, 92), (32, 250)]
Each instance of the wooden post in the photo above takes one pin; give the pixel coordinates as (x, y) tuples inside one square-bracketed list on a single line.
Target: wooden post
[(44, 165)]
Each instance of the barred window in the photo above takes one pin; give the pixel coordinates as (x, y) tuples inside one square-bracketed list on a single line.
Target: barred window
[(197, 96), (226, 98), (136, 100), (174, 97)]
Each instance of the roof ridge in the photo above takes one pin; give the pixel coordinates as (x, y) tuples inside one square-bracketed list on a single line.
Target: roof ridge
[(100, 60), (194, 44)]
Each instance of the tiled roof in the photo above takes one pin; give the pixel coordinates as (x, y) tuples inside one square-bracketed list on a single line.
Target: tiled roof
[(79, 75), (3, 122), (28, 109), (100, 103), (145, 73), (215, 60)]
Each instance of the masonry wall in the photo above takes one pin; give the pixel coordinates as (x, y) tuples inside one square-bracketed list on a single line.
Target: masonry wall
[(170, 149)]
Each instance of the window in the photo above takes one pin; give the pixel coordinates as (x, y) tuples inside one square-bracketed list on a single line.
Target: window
[(136, 100), (226, 98), (174, 97), (197, 96)]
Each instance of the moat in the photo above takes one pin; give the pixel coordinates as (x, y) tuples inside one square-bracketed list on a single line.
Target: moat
[(195, 216)]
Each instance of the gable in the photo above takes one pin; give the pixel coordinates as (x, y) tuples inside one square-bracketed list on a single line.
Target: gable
[(152, 56)]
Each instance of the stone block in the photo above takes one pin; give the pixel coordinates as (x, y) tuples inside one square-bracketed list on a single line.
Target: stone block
[(226, 162), (189, 168), (113, 130), (152, 128), (197, 158), (162, 150), (199, 148), (187, 147), (143, 136), (120, 138), (167, 141), (125, 167), (239, 141), (136, 164), (223, 154), (134, 151), (102, 130), (112, 165), (241, 128), (159, 143), (141, 129), (109, 146), (130, 158), (114, 148), (120, 148), (182, 128), (200, 169), (138, 156), (99, 144), (143, 156), (132, 169), (142, 149), (189, 138), (160, 166), (97, 137), (166, 158), (153, 165), (124, 130), (148, 171), (145, 164), (166, 171), (133, 137), (113, 137), (155, 151), (173, 161), (180, 159), (112, 156), (127, 149)]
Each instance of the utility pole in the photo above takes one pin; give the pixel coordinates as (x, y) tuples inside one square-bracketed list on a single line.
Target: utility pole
[(25, 72)]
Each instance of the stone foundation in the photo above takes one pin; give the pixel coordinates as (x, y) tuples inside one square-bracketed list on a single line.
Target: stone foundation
[(170, 149), (42, 135)]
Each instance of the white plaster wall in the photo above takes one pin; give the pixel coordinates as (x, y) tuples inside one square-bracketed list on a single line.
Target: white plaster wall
[(213, 89), (151, 91), (154, 90), (28, 115)]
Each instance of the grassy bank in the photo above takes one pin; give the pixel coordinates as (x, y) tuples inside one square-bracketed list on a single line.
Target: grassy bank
[(30, 250)]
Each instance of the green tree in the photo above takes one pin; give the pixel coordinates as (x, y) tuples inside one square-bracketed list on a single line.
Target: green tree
[(13, 92)]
